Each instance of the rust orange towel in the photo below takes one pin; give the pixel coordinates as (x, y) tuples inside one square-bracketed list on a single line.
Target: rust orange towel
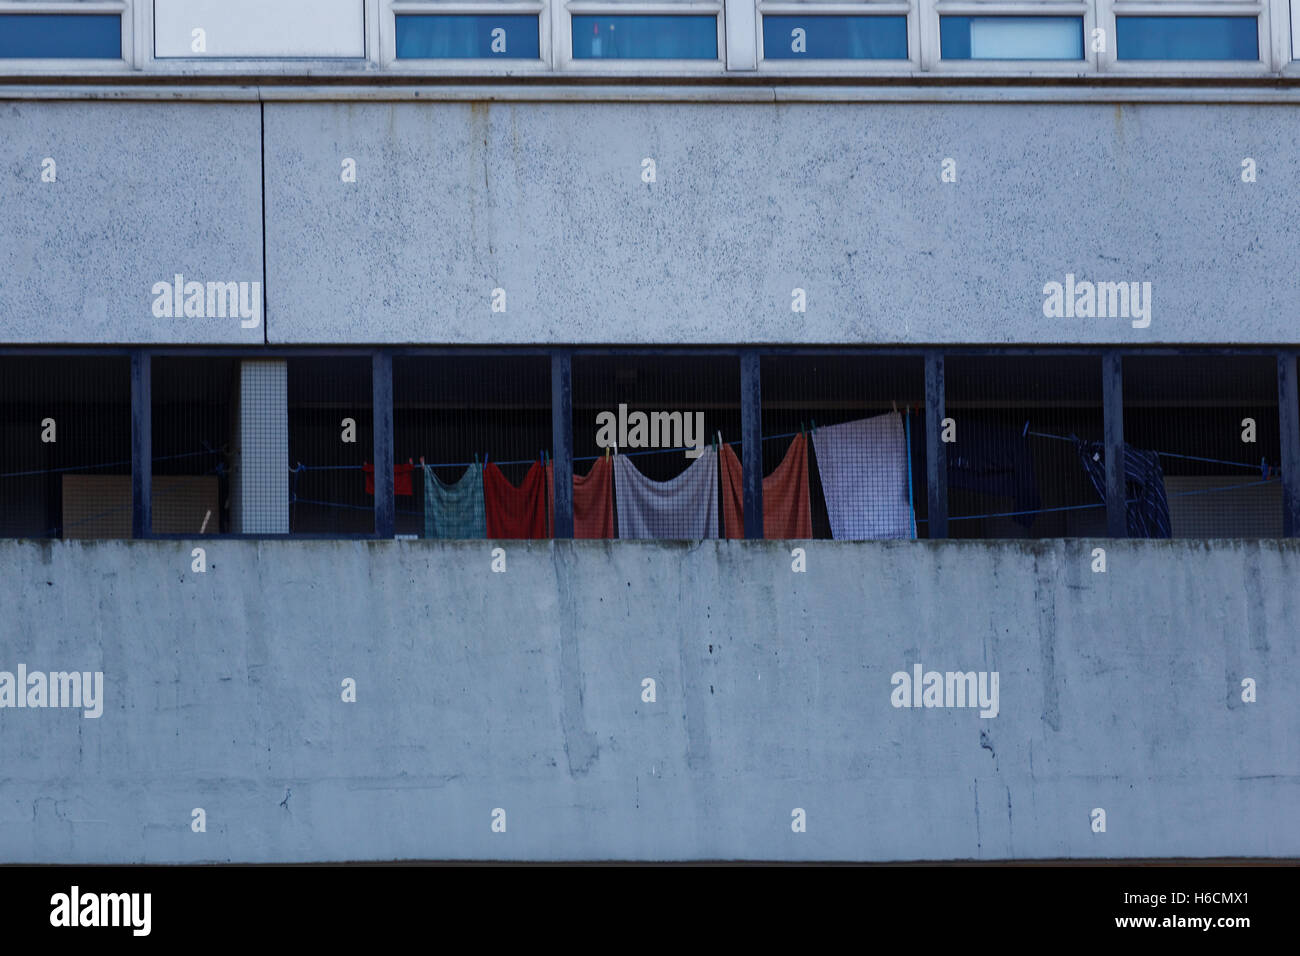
[(786, 512), (593, 500)]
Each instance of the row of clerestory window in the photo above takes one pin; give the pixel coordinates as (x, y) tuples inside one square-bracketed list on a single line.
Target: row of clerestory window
[(195, 29)]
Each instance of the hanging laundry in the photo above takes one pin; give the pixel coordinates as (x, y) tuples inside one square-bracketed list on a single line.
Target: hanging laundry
[(593, 500), (515, 512), (402, 484), (733, 495), (1146, 508), (786, 511), (995, 460), (863, 470), (454, 511), (682, 507)]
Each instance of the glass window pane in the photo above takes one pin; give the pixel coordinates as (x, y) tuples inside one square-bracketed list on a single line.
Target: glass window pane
[(645, 38), (834, 38), (258, 28), (1186, 38), (1295, 29), (61, 36), (1011, 38), (478, 37)]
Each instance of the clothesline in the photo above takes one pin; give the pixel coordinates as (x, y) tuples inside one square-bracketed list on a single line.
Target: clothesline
[(528, 461), (107, 464), (1262, 467), (1102, 504)]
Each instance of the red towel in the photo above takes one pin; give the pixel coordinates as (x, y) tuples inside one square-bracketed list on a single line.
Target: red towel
[(786, 512), (515, 512), (593, 500), (401, 479)]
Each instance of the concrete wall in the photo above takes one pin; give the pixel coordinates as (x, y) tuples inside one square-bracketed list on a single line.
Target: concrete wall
[(546, 200), (842, 200), (522, 691), (141, 192)]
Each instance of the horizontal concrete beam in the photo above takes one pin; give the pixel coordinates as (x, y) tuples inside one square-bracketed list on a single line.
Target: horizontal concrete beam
[(1265, 91)]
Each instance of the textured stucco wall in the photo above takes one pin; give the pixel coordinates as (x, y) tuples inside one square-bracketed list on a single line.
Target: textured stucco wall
[(546, 201), (142, 191), (843, 200), (521, 690)]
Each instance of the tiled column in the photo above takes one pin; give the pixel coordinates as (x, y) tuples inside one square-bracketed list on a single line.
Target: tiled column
[(260, 482)]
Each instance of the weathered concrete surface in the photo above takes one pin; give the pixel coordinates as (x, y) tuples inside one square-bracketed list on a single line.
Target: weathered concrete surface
[(142, 191), (522, 691), (546, 200)]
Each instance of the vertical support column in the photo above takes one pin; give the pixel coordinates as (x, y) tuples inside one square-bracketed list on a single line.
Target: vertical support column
[(1112, 399), (260, 484), (141, 445), (936, 456), (751, 439), (741, 18), (381, 385), (1288, 415), (562, 441)]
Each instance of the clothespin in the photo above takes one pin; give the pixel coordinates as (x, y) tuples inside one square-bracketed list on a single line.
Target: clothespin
[(607, 453), (1025, 431), (410, 461), (421, 459), (814, 424), (476, 458), (895, 404), (801, 429)]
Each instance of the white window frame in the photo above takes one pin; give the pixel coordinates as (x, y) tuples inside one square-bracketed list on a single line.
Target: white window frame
[(127, 61), (846, 8), (206, 65), (1084, 9), (1109, 10), (562, 36), (1286, 33), (463, 65)]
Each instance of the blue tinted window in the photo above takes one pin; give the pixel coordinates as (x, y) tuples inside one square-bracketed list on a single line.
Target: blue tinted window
[(834, 38), (1186, 38), (1011, 38), (645, 38), (61, 35), (479, 37)]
